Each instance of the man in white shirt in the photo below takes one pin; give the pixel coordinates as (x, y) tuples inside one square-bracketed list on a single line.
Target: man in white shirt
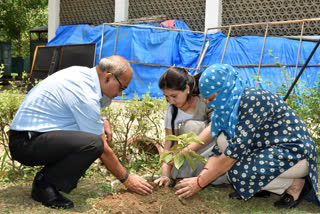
[(58, 125)]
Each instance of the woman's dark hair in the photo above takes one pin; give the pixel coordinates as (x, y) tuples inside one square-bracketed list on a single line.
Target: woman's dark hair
[(176, 78)]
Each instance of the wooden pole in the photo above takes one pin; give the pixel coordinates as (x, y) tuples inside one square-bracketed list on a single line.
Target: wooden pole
[(102, 38), (261, 56), (225, 46), (298, 56)]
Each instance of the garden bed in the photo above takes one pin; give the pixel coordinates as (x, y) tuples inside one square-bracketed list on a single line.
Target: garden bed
[(162, 200)]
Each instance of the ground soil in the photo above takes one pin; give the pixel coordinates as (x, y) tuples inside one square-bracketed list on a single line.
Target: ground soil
[(162, 200)]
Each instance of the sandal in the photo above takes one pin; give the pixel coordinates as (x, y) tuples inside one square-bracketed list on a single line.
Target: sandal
[(287, 201)]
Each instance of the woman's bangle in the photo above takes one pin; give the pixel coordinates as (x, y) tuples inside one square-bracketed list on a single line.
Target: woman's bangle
[(163, 176), (203, 169), (198, 182), (125, 179)]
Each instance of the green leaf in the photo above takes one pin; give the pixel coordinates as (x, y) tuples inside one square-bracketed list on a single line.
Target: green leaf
[(178, 161), (194, 140), (165, 155), (190, 161), (172, 138), (168, 158), (177, 147), (132, 117), (3, 159), (277, 63), (149, 104), (191, 134), (198, 157), (183, 136)]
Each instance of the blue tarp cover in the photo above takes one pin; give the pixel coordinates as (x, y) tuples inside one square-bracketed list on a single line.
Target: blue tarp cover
[(180, 48)]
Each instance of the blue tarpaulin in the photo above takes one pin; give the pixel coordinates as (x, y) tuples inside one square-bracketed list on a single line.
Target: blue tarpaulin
[(182, 48)]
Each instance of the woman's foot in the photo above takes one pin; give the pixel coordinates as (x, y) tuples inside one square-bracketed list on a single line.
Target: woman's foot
[(296, 187), (298, 190)]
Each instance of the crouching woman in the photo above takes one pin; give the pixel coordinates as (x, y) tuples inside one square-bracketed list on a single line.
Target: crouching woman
[(262, 143)]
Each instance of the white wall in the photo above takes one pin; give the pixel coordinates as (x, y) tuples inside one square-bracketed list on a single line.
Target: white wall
[(213, 14), (53, 18), (121, 10)]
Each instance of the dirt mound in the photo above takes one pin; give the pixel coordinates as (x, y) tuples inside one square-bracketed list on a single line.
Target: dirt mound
[(162, 200)]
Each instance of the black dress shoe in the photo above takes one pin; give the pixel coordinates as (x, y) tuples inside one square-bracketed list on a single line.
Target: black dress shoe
[(261, 194), (48, 195), (287, 201)]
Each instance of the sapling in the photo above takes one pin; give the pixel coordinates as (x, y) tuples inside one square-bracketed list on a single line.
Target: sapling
[(176, 153)]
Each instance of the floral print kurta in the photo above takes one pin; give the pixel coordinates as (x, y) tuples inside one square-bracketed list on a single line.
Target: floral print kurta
[(269, 139), (266, 137)]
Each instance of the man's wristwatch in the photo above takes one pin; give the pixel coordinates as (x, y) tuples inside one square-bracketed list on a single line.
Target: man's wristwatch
[(104, 118)]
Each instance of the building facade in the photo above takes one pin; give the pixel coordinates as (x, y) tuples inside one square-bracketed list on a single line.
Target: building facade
[(197, 14)]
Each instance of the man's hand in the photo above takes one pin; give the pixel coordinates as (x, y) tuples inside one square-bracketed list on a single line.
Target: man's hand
[(138, 185), (187, 187), (107, 130)]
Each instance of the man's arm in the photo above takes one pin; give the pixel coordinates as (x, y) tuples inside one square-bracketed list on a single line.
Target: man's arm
[(111, 162), (107, 129)]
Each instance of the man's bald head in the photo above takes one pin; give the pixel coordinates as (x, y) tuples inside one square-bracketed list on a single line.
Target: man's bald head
[(115, 74), (114, 64)]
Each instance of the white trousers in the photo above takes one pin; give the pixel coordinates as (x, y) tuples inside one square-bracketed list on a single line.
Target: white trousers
[(281, 183)]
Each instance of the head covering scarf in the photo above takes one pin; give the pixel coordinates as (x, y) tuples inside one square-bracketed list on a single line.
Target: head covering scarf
[(225, 80)]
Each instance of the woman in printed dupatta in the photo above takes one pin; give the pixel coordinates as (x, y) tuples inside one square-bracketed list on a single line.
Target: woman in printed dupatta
[(262, 143)]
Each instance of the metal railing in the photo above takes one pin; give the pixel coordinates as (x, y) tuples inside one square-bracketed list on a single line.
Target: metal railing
[(204, 44)]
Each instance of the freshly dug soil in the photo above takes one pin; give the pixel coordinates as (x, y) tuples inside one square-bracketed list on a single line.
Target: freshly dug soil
[(162, 200)]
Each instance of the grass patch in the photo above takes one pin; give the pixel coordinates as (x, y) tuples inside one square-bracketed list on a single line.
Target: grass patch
[(219, 196), (15, 198)]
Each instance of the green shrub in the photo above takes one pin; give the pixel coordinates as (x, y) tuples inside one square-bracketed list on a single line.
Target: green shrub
[(1, 74), (137, 126), (304, 99), (10, 101)]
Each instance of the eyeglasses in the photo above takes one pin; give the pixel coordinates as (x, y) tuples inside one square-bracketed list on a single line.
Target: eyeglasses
[(121, 86)]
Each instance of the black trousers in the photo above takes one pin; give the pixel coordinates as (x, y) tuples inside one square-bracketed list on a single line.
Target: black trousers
[(66, 155)]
